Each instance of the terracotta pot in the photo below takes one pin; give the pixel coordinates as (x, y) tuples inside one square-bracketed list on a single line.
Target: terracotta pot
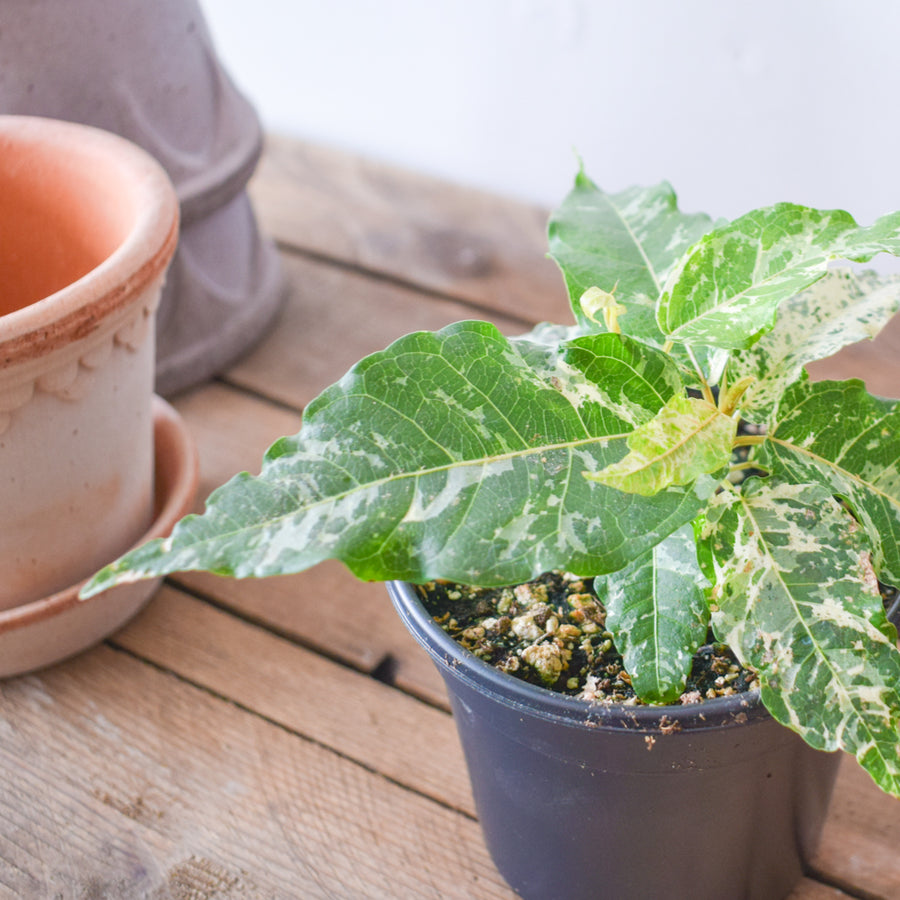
[(580, 800), (88, 224)]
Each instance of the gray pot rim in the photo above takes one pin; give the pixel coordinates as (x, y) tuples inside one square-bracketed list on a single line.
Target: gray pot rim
[(737, 710)]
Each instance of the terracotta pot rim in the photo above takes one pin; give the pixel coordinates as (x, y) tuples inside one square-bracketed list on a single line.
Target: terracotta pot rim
[(78, 309), (176, 479)]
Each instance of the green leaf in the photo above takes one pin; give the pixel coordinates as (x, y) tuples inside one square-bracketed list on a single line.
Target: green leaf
[(726, 290), (623, 243), (458, 455), (881, 237), (837, 434), (797, 599), (656, 608), (689, 437), (842, 308)]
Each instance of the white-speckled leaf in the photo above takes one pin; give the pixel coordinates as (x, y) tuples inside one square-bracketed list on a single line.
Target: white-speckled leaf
[(624, 242), (883, 236), (842, 308), (836, 433), (797, 599), (688, 438), (726, 290), (460, 455), (656, 608)]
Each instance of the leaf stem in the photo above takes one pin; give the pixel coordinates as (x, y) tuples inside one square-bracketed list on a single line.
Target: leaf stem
[(737, 467), (749, 440), (707, 391)]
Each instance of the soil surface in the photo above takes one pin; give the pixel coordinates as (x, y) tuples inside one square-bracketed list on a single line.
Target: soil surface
[(551, 632)]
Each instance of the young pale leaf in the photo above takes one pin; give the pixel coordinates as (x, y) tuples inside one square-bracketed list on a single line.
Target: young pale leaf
[(688, 438), (623, 243), (656, 608), (458, 454), (726, 290), (796, 598), (842, 308), (835, 433)]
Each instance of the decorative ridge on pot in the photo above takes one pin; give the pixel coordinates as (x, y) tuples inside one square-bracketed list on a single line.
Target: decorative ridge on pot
[(134, 259)]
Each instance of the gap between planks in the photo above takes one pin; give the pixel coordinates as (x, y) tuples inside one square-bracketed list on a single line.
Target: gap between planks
[(360, 718), (453, 240)]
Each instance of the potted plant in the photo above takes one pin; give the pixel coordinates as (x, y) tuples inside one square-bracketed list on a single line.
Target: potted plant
[(671, 446)]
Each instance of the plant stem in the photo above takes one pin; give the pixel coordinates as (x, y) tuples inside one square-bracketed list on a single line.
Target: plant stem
[(749, 440), (748, 465), (723, 389), (707, 391)]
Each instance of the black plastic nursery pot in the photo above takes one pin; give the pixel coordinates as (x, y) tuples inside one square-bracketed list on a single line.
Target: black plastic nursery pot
[(587, 801)]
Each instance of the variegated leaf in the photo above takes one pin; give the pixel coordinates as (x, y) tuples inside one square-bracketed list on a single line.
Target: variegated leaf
[(861, 244), (726, 290), (458, 455), (656, 607), (842, 308), (838, 434), (796, 598), (688, 438), (623, 243)]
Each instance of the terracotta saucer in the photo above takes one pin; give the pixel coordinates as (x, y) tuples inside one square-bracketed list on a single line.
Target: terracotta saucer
[(48, 630)]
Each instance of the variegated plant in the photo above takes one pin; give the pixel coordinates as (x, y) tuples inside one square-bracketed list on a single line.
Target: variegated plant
[(611, 448)]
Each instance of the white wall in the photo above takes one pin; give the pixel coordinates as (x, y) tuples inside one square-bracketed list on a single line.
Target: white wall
[(738, 104)]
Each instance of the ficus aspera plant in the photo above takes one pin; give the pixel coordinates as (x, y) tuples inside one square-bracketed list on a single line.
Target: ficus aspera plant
[(669, 442)]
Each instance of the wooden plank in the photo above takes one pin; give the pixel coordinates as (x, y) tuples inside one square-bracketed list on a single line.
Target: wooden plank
[(859, 848), (458, 241), (808, 889), (382, 728), (232, 431), (119, 780), (331, 612), (333, 318)]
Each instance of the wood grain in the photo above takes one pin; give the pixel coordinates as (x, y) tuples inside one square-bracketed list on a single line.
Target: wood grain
[(465, 243), (121, 781), (333, 318), (382, 728), (859, 848)]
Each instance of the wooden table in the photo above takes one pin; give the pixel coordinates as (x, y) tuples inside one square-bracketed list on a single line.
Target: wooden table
[(287, 738)]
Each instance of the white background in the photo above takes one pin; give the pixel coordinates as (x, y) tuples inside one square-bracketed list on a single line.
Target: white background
[(737, 104)]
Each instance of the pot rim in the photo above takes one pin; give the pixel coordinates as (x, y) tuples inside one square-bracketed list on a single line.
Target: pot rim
[(457, 662), (78, 309)]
